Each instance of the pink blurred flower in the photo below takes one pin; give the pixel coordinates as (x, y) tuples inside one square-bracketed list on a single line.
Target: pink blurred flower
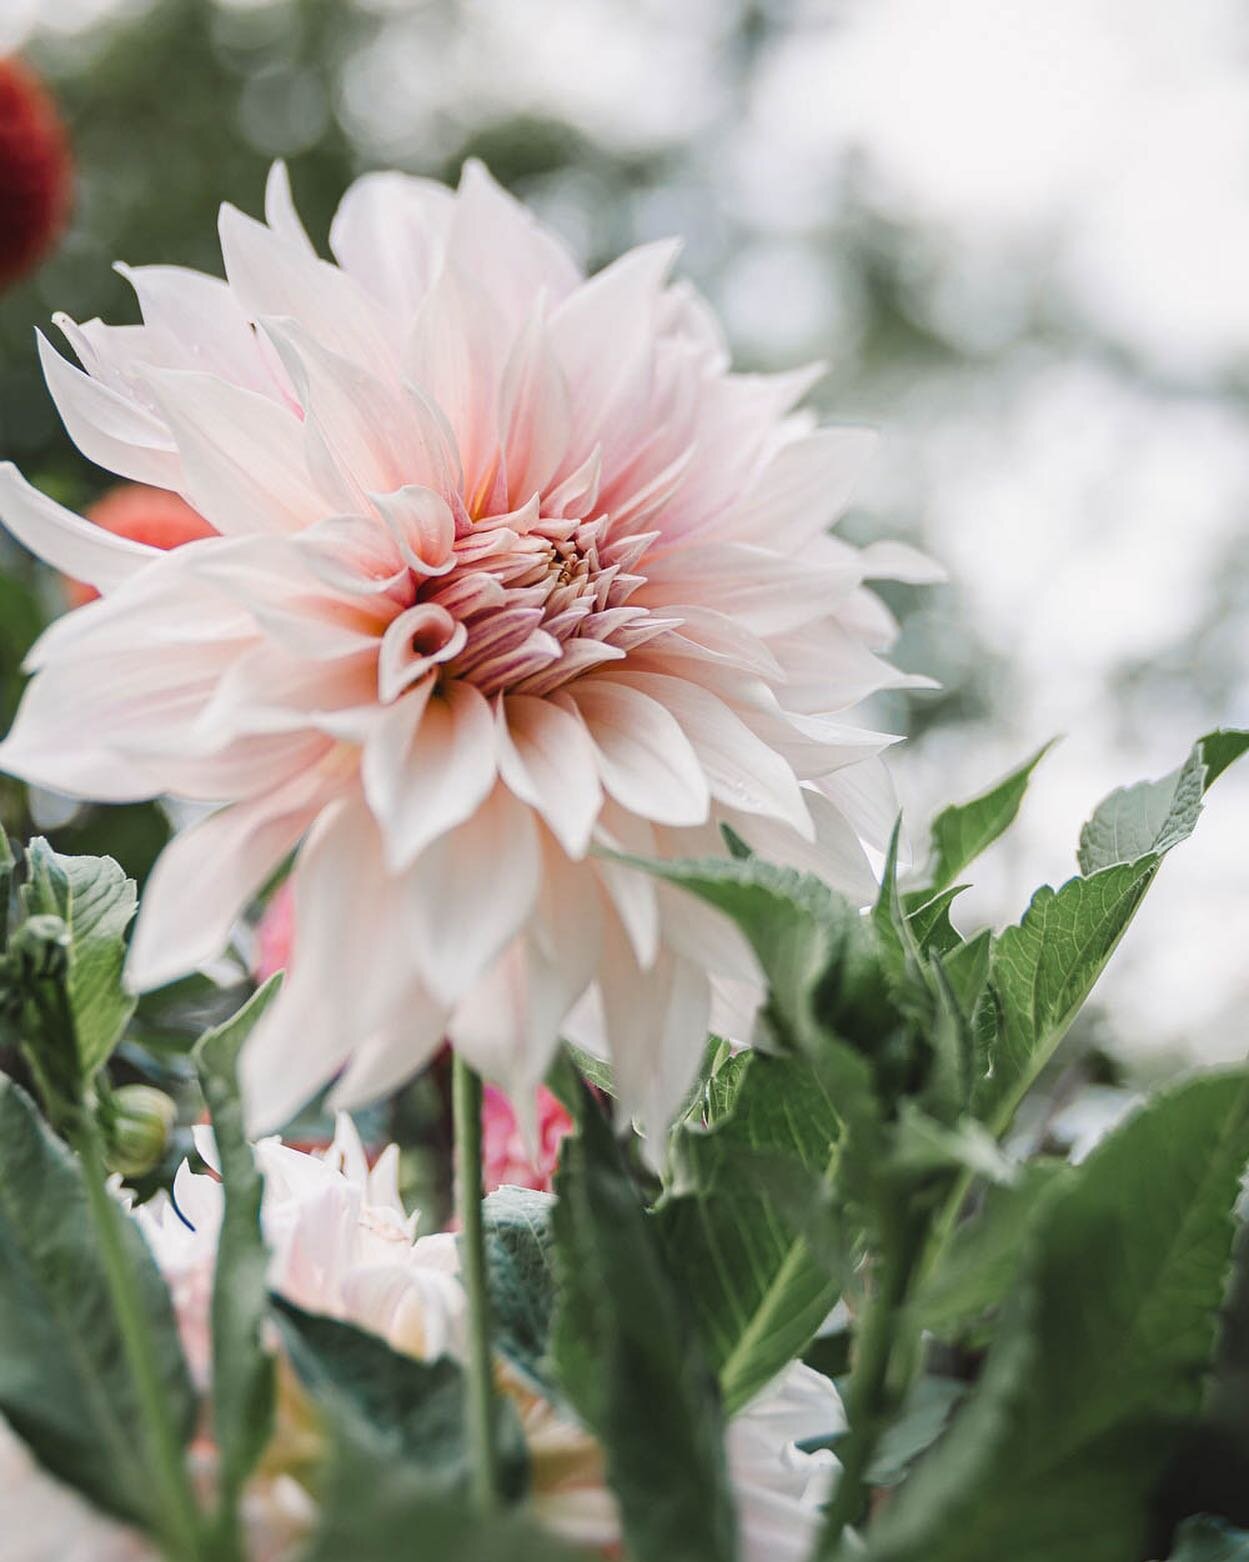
[(275, 934), (511, 566), (505, 1157)]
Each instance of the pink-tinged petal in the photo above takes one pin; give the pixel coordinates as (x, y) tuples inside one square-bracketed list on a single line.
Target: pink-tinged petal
[(889, 560), (455, 356), (415, 643), (742, 771), (422, 525), (349, 916), (631, 893), (534, 416), (271, 578), (494, 239), (108, 427), (470, 891), (280, 211), (836, 855), (206, 876), (64, 540), (389, 233), (268, 690), (644, 759), (825, 668), (767, 592), (603, 335), (547, 758), (865, 797), (656, 1025), (358, 437), (428, 766), (351, 553), (803, 489), (399, 1048), (816, 745), (271, 276), (243, 461), (190, 321)]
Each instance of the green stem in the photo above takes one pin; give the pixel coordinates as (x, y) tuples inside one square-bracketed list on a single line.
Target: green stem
[(466, 1109), (870, 1403), (179, 1515)]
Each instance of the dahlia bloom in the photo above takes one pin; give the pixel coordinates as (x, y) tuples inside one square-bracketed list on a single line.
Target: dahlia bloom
[(144, 514), (35, 171), (512, 573), (342, 1245)]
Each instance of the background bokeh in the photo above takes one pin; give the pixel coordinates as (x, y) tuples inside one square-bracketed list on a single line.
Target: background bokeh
[(1018, 233)]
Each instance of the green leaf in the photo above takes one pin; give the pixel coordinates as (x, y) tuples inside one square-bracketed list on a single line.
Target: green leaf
[(64, 1385), (757, 1289), (629, 1359), (1148, 819), (920, 1422), (961, 832), (382, 1510), (1210, 1540), (1100, 1353), (981, 1261), (520, 1261), (96, 901), (243, 1370), (392, 1406), (794, 923)]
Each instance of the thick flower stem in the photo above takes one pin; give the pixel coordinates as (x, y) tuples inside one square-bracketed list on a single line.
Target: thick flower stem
[(466, 1108), (179, 1519), (869, 1401)]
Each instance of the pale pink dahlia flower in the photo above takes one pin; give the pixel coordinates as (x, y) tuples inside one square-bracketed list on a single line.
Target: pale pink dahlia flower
[(510, 567)]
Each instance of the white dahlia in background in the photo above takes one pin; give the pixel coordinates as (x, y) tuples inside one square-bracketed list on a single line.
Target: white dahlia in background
[(341, 1245), (510, 566)]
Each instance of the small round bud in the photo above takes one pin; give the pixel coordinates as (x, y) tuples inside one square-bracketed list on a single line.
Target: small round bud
[(137, 1124)]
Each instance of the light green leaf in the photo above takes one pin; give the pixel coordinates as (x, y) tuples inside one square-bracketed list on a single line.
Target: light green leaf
[(1210, 1540), (64, 1385), (96, 901), (629, 1359), (758, 1290), (961, 832), (985, 1252), (1100, 1352), (920, 1422), (243, 1372), (1153, 816)]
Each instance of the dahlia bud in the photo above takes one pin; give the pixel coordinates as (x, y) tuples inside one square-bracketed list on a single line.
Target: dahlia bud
[(35, 171), (138, 1123)]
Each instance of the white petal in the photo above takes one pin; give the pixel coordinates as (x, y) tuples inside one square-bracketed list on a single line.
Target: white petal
[(644, 759), (242, 455), (280, 211), (470, 891), (803, 489), (415, 642), (547, 758), (742, 771), (422, 526), (390, 232), (64, 540), (108, 427), (205, 878), (428, 767)]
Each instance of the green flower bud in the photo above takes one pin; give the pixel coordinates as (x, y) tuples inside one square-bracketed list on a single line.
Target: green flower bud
[(137, 1124)]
